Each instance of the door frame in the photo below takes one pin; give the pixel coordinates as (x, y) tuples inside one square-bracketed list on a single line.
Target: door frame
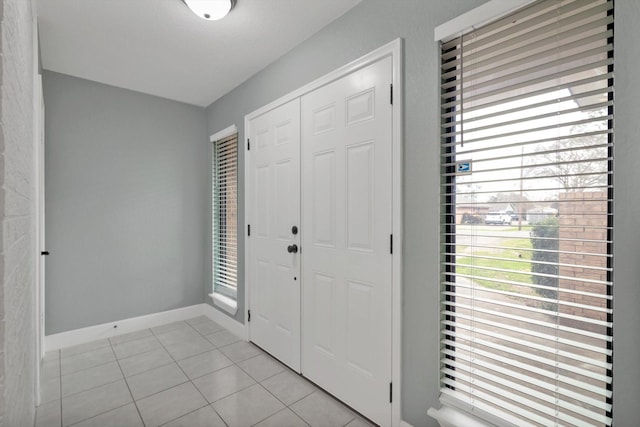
[(393, 50), (38, 205)]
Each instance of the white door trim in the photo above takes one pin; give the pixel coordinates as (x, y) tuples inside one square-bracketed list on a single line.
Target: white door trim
[(38, 202), (394, 50), (39, 230)]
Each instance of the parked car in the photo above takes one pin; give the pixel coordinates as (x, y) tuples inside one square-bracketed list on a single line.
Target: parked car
[(497, 218)]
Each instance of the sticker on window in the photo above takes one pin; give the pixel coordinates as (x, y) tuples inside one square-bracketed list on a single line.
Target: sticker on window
[(463, 167)]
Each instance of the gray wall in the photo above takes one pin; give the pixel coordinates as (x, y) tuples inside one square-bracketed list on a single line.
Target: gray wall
[(626, 289), (126, 203), (17, 216), (376, 22)]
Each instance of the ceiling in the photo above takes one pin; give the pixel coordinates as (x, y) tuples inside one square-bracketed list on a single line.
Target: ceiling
[(160, 47)]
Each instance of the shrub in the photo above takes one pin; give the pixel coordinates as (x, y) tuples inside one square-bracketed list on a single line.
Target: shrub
[(468, 218), (544, 237)]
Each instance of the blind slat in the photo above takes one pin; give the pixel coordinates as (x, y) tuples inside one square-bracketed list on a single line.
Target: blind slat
[(550, 373), (535, 360)]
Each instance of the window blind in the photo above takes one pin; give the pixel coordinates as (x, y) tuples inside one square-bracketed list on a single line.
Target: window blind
[(526, 202), (225, 216)]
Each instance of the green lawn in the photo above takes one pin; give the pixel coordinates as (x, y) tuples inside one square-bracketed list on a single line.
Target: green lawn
[(513, 261)]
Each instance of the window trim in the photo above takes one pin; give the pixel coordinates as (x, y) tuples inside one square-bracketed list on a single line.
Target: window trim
[(481, 15), (219, 299), (486, 14)]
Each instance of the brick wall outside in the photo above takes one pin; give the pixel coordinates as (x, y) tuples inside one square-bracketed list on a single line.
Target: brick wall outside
[(17, 252), (588, 210)]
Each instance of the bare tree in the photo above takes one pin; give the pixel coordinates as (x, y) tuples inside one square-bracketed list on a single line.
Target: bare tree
[(578, 163)]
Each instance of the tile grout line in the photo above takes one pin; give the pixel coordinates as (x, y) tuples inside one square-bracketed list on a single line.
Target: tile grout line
[(124, 377), (268, 391), (117, 360), (286, 368), (236, 364), (264, 353), (97, 415), (189, 379), (104, 412), (321, 391), (194, 385), (84, 371), (84, 352), (149, 369)]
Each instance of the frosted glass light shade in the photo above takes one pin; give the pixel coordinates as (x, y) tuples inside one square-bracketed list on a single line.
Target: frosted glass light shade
[(210, 10)]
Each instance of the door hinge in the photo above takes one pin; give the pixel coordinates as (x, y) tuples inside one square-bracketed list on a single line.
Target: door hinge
[(248, 229), (248, 144), (391, 244), (248, 315), (391, 93), (390, 392)]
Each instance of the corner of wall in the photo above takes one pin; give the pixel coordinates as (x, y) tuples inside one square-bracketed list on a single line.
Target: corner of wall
[(17, 259)]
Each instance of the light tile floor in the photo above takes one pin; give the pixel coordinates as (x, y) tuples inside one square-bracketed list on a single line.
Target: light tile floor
[(191, 374)]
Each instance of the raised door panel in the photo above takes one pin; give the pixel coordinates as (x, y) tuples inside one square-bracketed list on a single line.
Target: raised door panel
[(360, 197), (323, 196)]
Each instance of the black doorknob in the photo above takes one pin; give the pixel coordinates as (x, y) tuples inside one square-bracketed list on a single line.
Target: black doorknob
[(292, 249)]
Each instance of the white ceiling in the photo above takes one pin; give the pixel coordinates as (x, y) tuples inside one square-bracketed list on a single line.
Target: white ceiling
[(160, 47)]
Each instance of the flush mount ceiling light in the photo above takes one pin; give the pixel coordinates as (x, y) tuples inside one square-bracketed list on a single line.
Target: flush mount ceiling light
[(210, 10)]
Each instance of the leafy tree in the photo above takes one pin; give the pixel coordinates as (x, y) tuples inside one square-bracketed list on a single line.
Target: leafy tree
[(544, 237)]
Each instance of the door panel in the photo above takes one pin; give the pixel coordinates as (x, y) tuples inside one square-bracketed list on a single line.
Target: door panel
[(323, 199), (273, 189), (346, 227)]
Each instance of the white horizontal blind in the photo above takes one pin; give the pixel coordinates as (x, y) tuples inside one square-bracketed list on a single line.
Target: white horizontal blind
[(527, 161), (225, 216)]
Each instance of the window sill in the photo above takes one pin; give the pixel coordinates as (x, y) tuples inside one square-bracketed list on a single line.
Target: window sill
[(225, 303), (447, 416)]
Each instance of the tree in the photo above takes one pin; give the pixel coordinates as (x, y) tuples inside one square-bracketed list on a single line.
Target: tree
[(517, 200), (544, 240), (577, 163)]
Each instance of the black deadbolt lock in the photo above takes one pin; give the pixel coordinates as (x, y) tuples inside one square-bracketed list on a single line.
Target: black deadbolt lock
[(294, 230)]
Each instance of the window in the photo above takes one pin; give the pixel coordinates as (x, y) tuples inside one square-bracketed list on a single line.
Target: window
[(527, 221), (225, 221)]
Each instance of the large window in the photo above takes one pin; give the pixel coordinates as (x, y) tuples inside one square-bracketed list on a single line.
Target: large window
[(527, 191), (225, 219)]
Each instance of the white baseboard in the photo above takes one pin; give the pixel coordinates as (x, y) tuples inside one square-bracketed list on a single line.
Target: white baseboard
[(228, 322), (107, 330), (405, 424)]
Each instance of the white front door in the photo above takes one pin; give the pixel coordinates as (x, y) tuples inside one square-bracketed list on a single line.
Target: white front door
[(346, 232), (273, 188)]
